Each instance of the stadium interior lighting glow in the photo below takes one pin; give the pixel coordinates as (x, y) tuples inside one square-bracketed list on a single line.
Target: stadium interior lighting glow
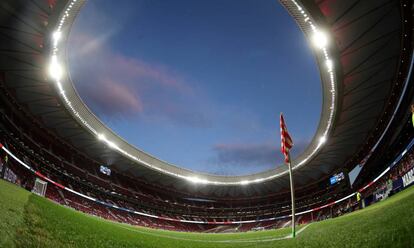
[(55, 69), (320, 39), (197, 180), (112, 144), (329, 64), (322, 139), (57, 35)]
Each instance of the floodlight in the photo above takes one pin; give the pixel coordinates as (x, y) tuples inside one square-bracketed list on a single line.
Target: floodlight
[(101, 137), (112, 144), (320, 39), (322, 139), (329, 64), (55, 69), (193, 179), (197, 180), (244, 182), (56, 36)]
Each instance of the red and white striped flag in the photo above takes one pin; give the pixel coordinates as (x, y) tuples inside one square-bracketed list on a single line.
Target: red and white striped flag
[(286, 140)]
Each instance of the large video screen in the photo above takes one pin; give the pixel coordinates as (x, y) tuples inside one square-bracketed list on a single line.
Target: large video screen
[(105, 170), (337, 178)]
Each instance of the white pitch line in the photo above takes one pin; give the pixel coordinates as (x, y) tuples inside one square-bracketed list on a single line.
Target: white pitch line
[(217, 241), (301, 230)]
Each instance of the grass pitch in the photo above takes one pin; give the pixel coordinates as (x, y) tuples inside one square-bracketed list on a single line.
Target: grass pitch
[(27, 220)]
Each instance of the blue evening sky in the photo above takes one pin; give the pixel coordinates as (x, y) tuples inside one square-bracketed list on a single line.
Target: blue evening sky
[(199, 84)]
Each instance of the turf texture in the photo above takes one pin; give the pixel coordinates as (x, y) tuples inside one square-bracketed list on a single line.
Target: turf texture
[(27, 220)]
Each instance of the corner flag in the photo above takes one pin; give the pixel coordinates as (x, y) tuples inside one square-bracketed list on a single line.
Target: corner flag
[(285, 145), (286, 140)]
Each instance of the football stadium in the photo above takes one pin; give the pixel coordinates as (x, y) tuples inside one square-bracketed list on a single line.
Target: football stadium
[(72, 177)]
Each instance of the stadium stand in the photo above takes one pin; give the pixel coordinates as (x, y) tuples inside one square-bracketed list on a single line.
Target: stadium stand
[(127, 196)]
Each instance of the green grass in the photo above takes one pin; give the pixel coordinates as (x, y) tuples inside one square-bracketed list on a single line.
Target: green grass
[(27, 220)]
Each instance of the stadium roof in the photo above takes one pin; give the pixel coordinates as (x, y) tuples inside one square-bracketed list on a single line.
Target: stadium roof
[(364, 54)]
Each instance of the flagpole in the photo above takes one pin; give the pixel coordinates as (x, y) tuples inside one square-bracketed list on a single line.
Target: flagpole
[(292, 195), (286, 145)]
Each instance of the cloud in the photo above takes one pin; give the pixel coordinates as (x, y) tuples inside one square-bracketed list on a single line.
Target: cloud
[(246, 154), (247, 158), (95, 60), (84, 44), (113, 98), (116, 85), (136, 69), (180, 113)]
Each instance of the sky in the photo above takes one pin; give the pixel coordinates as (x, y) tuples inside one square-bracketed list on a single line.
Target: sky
[(199, 84)]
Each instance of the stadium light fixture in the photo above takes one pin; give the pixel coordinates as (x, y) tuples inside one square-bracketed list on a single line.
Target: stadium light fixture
[(60, 87), (329, 64), (244, 182), (55, 69), (101, 137), (112, 145), (322, 139), (56, 36), (320, 39), (193, 179), (197, 180)]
